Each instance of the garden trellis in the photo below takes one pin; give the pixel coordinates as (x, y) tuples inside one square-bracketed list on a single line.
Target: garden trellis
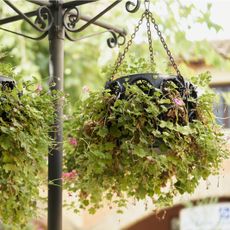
[(57, 19)]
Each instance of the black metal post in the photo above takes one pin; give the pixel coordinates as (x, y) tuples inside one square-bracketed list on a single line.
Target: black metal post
[(56, 49)]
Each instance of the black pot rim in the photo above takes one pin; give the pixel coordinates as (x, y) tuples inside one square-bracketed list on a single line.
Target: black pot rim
[(148, 74)]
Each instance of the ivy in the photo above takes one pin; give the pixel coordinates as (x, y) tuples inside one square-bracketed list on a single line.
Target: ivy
[(26, 114), (127, 149)]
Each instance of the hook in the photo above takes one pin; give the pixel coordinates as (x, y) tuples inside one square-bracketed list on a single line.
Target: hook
[(147, 4)]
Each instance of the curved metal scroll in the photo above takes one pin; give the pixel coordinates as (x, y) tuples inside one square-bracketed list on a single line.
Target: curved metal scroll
[(44, 16), (112, 41), (70, 19), (70, 25), (72, 16), (133, 7), (115, 40)]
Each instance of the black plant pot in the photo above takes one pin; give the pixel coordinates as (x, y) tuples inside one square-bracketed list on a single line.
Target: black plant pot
[(6, 82), (148, 82)]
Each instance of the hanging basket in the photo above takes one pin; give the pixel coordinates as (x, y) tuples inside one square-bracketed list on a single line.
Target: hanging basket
[(140, 145), (149, 82), (148, 135), (24, 142)]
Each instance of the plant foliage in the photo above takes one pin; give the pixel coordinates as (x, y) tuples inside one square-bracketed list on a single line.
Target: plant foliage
[(25, 116), (139, 147)]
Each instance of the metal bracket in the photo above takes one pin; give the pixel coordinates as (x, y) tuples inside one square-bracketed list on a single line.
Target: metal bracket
[(43, 14), (69, 15)]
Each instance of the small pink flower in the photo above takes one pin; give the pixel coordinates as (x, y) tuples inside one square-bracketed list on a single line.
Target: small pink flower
[(39, 88), (73, 141), (69, 175), (65, 175), (178, 101), (40, 228), (85, 89)]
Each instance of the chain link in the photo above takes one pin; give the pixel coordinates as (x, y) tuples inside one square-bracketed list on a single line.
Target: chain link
[(163, 42), (149, 18), (149, 34), (121, 56)]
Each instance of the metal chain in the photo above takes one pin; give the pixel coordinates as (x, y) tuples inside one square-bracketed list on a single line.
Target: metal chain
[(149, 18), (121, 56), (149, 34), (165, 45)]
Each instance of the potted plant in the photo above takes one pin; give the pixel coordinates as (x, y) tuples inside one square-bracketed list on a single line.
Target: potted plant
[(140, 145), (147, 135), (26, 113)]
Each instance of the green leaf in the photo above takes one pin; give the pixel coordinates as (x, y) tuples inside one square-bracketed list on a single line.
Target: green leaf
[(102, 132)]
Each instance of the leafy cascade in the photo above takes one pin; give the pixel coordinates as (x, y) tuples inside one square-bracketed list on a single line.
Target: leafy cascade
[(25, 116), (140, 147)]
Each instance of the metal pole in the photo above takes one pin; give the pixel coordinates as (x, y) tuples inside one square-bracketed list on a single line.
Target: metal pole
[(56, 49)]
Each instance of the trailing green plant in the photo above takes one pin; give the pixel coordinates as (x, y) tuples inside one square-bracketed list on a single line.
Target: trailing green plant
[(26, 113), (139, 147)]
